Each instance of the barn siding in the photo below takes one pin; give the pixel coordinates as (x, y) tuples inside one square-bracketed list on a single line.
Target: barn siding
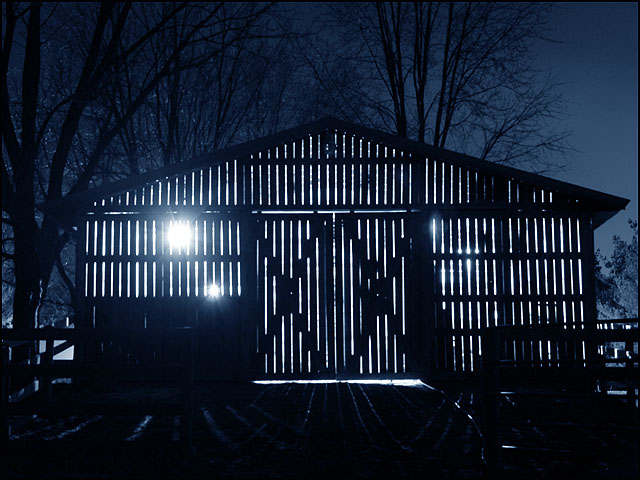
[(352, 257)]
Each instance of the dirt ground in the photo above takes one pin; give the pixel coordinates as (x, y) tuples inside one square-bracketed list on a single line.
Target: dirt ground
[(334, 430)]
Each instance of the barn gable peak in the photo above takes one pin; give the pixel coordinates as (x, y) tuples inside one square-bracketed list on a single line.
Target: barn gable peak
[(332, 141)]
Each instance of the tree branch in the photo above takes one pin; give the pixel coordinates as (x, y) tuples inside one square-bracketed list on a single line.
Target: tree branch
[(66, 280), (14, 149)]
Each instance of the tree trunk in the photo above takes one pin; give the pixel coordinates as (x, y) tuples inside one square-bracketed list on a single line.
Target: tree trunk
[(36, 250), (27, 274), (27, 293)]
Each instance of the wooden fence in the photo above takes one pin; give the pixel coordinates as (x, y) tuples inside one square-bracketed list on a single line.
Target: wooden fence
[(179, 370), (33, 353), (569, 377)]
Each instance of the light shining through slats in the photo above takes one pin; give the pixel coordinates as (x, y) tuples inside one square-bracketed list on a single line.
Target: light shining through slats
[(335, 264)]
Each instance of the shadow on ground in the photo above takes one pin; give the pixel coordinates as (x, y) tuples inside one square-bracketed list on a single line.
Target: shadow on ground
[(334, 430)]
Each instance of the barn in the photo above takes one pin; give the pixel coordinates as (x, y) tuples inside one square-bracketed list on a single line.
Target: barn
[(332, 251)]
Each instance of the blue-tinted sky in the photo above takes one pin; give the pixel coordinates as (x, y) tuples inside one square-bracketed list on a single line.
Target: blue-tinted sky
[(598, 59), (596, 56)]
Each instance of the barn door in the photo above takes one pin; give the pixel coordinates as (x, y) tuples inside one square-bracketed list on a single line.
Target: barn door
[(372, 293), (333, 295), (293, 328)]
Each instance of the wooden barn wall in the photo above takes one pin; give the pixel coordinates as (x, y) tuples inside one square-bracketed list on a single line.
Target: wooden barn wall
[(352, 258), (507, 270)]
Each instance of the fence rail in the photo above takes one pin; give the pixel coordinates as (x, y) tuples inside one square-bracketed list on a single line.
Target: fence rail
[(47, 369), (537, 378)]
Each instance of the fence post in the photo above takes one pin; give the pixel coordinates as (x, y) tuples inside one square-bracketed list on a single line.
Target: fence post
[(186, 423), (6, 433), (631, 384), (249, 298), (491, 378), (47, 360)]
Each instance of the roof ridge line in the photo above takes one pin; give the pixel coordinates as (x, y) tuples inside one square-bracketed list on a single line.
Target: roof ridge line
[(415, 147)]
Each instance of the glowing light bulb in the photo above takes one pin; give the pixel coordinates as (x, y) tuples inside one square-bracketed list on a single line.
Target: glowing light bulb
[(213, 291), (179, 235)]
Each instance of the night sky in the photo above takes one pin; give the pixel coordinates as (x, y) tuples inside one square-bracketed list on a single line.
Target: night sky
[(598, 60)]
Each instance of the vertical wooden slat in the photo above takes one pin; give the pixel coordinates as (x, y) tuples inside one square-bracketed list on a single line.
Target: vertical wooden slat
[(588, 279), (269, 298), (340, 317), (380, 304), (301, 318), (98, 249), (369, 312), (473, 186), (278, 177), (330, 310), (540, 273), (285, 294), (501, 240), (315, 263), (437, 291), (351, 327), (457, 186), (197, 198), (217, 185), (260, 179), (205, 186), (320, 266), (185, 189), (296, 286), (355, 252), (297, 185), (253, 184), (547, 248), (106, 253), (81, 319), (461, 351), (147, 250)]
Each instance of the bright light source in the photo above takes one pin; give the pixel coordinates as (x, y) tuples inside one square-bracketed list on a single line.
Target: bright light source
[(179, 235), (213, 291)]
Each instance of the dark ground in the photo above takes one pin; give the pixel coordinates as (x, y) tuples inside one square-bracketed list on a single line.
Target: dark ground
[(335, 430)]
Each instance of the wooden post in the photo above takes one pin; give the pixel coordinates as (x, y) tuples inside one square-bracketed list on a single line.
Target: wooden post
[(589, 292), (6, 432), (79, 320), (421, 272), (631, 383), (249, 313), (186, 420), (47, 359), (491, 380)]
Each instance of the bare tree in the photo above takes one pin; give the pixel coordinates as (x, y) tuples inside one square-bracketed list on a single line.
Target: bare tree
[(455, 75), (60, 112), (236, 95)]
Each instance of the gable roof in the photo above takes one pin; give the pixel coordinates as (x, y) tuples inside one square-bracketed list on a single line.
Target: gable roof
[(602, 204)]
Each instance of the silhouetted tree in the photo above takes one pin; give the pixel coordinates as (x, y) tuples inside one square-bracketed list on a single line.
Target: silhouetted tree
[(69, 98), (100, 91), (457, 75), (617, 291)]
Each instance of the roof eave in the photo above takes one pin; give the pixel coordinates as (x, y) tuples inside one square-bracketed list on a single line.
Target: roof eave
[(602, 204)]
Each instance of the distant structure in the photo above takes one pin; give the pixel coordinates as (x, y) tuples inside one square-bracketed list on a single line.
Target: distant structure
[(335, 251)]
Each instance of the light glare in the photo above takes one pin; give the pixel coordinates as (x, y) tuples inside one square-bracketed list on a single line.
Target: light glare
[(179, 235), (213, 291)]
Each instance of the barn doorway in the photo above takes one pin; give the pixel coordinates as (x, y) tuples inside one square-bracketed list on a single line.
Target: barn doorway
[(334, 294)]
